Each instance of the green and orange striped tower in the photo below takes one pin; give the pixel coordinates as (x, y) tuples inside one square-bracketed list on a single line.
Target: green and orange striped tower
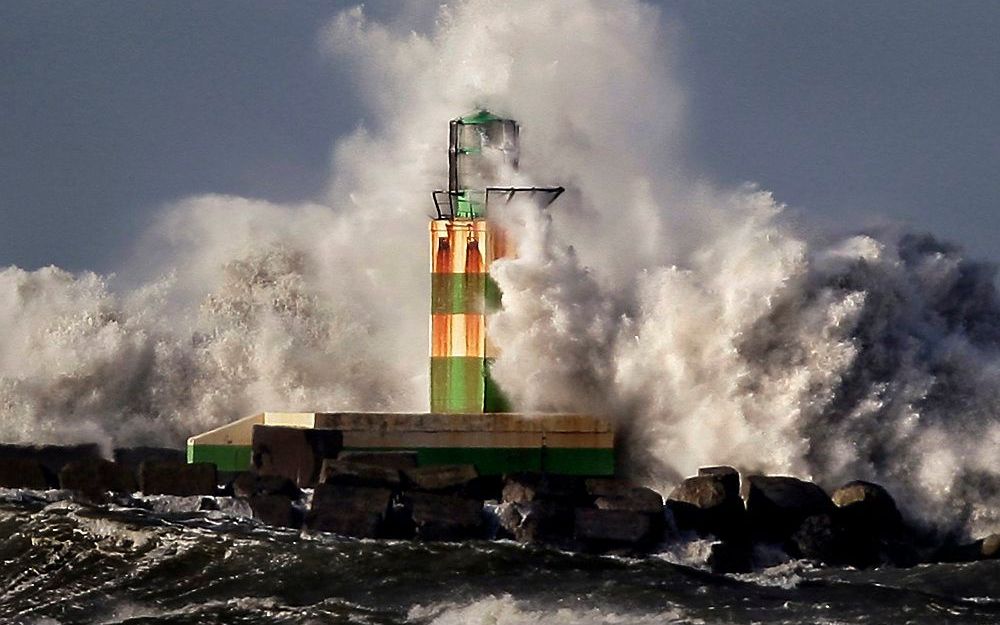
[(464, 241)]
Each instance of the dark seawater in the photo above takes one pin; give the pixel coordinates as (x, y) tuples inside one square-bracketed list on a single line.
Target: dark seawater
[(63, 562)]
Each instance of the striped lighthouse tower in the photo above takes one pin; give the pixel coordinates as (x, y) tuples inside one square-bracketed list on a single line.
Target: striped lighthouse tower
[(464, 241)]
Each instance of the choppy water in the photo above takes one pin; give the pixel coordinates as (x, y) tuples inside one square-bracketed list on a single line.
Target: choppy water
[(62, 562)]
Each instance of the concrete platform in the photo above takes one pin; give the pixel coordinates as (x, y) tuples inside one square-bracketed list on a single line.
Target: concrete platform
[(495, 443)]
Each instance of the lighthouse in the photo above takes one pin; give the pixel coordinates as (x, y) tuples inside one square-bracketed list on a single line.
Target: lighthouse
[(470, 421), (465, 239)]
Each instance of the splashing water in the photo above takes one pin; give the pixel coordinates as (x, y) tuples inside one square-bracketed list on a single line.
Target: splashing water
[(698, 318)]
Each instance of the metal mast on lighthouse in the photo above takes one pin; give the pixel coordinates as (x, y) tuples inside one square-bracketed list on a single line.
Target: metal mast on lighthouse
[(482, 155)]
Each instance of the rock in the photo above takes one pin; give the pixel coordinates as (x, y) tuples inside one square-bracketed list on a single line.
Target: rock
[(295, 453), (990, 546), (824, 538), (247, 484), (351, 473), (867, 507), (729, 477), (445, 517), (276, 510), (983, 549), (731, 557), (441, 478), (96, 476), (22, 473), (709, 504), (538, 521), (132, 457), (398, 460), (356, 511), (52, 457), (611, 529), (777, 505), (617, 494), (172, 478), (528, 487)]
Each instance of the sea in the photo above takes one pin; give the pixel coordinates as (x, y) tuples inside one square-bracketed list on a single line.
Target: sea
[(163, 560)]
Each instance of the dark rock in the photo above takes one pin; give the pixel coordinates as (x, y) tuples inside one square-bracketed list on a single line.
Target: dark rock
[(22, 473), (445, 517), (729, 477), (276, 510), (132, 457), (609, 529), (990, 546), (207, 504), (441, 478), (96, 476), (639, 499), (983, 549), (351, 473), (172, 478), (709, 504), (52, 457), (398, 460), (825, 539), (868, 508), (349, 510), (294, 453), (731, 557), (618, 494), (246, 485), (529, 487), (777, 505), (538, 521)]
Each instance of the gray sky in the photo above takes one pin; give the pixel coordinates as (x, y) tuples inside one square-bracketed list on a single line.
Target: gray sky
[(854, 113)]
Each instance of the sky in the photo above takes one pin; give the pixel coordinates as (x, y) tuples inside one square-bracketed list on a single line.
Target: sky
[(854, 114)]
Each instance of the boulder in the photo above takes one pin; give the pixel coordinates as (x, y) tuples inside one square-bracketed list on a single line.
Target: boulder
[(731, 557), (276, 510), (709, 504), (445, 517), (867, 507), (52, 457), (294, 453), (825, 539), (96, 476), (614, 529), (450, 478), (529, 487), (538, 521), (356, 511), (617, 494), (398, 460), (172, 478), (347, 472), (132, 457), (247, 484), (983, 549), (777, 505), (22, 473)]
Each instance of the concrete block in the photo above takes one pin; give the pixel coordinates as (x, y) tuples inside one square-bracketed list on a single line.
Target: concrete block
[(351, 473), (452, 478), (52, 457), (614, 528), (96, 476), (22, 473), (445, 517), (132, 457), (276, 510), (172, 478), (292, 452), (356, 511)]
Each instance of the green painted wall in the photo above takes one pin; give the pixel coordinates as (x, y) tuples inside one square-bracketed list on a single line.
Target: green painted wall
[(488, 460), (464, 293)]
